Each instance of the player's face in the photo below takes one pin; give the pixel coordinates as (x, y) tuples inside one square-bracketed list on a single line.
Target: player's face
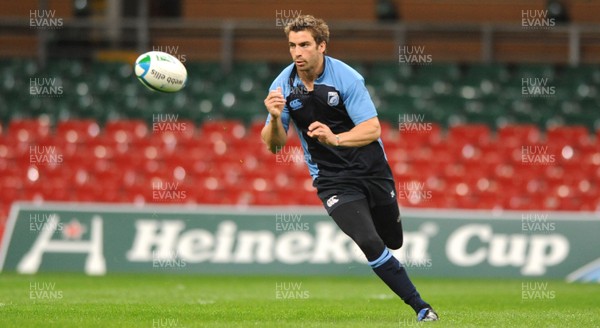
[(305, 52)]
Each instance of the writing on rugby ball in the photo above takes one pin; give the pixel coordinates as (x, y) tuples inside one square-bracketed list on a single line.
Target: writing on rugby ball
[(160, 71)]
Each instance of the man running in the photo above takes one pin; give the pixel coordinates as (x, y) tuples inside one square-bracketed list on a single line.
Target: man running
[(337, 123)]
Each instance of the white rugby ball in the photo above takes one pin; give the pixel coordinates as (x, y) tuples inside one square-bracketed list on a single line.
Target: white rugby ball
[(160, 71)]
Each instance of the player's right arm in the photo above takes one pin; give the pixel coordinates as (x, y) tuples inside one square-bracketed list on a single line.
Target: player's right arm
[(274, 134)]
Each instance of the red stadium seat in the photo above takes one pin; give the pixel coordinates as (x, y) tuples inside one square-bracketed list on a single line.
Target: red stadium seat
[(256, 127), (11, 186), (307, 198), (173, 130), (519, 134), (11, 149), (488, 201), (223, 130), (432, 134), (219, 165), (56, 190), (441, 153), (492, 154), (591, 160), (265, 198), (28, 130), (77, 131), (389, 133), (568, 135), (590, 198), (475, 134), (126, 131), (527, 202), (211, 197), (549, 202), (425, 199), (88, 192)]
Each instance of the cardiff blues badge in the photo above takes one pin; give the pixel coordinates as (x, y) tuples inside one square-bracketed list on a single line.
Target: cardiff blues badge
[(333, 99)]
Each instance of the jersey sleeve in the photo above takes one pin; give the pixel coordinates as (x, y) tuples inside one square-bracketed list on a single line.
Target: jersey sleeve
[(285, 113), (358, 102)]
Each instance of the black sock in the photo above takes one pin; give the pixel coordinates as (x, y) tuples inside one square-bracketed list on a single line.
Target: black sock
[(389, 269)]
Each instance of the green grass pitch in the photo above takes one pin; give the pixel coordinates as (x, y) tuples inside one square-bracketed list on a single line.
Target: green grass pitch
[(70, 300)]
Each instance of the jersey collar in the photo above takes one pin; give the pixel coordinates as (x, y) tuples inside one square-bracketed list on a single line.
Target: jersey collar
[(294, 73)]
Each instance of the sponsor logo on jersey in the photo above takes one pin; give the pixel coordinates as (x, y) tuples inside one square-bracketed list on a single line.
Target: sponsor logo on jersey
[(296, 104), (332, 200)]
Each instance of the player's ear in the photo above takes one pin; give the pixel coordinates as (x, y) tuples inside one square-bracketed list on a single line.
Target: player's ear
[(322, 47)]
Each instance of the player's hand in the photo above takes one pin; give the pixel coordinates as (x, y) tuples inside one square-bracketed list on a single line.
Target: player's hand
[(275, 102), (322, 133)]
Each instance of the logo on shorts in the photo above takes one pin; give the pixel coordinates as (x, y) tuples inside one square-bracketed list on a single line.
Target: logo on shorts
[(296, 104), (392, 194), (333, 99), (332, 200)]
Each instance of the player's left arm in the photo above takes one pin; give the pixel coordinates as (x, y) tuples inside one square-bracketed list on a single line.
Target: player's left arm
[(360, 135), (362, 111)]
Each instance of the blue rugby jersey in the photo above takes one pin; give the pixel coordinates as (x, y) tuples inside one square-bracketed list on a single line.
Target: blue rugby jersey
[(341, 101)]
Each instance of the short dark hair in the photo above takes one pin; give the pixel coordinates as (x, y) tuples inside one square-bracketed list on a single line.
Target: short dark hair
[(317, 27)]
